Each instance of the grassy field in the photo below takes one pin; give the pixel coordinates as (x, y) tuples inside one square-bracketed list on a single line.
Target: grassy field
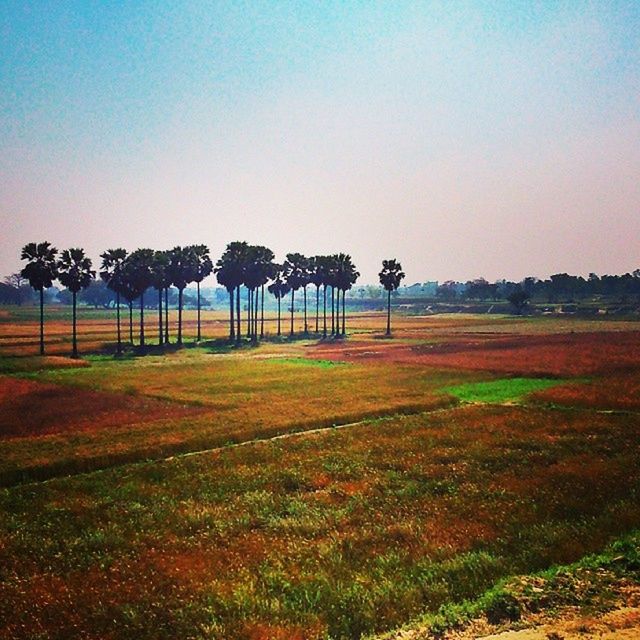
[(306, 489)]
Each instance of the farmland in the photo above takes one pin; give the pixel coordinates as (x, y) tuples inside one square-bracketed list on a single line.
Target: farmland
[(305, 488)]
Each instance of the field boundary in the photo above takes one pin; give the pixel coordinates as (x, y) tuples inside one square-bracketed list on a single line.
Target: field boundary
[(123, 462)]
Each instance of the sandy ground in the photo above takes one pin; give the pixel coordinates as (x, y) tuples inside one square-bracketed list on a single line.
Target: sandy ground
[(569, 623), (623, 624)]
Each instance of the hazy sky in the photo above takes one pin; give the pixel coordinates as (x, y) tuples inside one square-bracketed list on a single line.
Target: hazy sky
[(464, 138)]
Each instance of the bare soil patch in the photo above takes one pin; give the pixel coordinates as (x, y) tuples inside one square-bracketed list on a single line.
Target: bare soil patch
[(29, 408)]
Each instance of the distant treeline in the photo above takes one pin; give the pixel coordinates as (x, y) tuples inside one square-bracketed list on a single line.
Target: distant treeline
[(560, 287)]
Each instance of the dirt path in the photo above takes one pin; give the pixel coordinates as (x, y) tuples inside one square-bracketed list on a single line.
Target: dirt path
[(622, 624), (608, 609)]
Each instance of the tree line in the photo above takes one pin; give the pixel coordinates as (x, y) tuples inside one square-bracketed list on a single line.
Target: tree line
[(559, 287), (252, 267)]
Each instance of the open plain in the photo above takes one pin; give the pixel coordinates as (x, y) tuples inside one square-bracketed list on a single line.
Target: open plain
[(306, 488)]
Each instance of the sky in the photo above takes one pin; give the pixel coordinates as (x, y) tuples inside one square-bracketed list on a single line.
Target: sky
[(465, 139)]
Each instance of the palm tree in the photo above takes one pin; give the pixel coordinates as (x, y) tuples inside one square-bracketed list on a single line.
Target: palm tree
[(75, 273), (333, 281), (315, 277), (161, 281), (203, 269), (305, 279), (257, 271), (390, 278), (279, 288), (130, 293), (140, 265), (346, 276), (295, 269), (266, 272), (323, 271), (111, 274), (229, 272), (182, 268), (40, 271), (251, 279)]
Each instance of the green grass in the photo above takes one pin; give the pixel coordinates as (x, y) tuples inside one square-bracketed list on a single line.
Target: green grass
[(502, 390)]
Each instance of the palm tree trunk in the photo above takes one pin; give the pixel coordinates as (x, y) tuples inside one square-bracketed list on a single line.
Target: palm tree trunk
[(262, 311), (232, 322), (292, 301), (199, 335), (317, 304), (74, 353), (389, 312), (249, 316), (256, 306), (324, 294), (306, 326), (42, 321), (166, 315), (142, 319), (180, 316), (278, 315), (343, 314), (131, 322), (239, 329), (160, 340), (333, 310), (119, 348)]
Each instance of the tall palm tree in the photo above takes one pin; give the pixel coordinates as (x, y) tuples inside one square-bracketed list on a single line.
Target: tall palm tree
[(257, 271), (315, 277), (333, 281), (182, 268), (111, 274), (390, 278), (305, 279), (204, 268), (268, 273), (75, 273), (40, 271), (264, 260), (251, 281), (129, 293), (161, 282), (346, 276), (229, 272), (295, 272), (140, 265), (279, 288), (323, 271)]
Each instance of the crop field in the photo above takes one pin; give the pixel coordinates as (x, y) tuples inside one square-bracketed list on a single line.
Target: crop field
[(304, 488)]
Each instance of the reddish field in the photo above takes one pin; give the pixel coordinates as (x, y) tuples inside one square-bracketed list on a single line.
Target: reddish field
[(567, 354), (611, 392), (30, 408)]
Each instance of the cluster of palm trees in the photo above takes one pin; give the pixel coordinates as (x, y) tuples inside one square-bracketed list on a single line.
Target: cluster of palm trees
[(253, 267), (130, 275)]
